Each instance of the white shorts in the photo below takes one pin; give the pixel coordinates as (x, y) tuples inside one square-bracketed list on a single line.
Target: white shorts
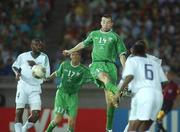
[(146, 104), (26, 94)]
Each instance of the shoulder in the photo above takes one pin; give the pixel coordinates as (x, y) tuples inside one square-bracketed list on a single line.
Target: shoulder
[(132, 60), (115, 34), (24, 54), (83, 66), (43, 54), (94, 32), (159, 61), (66, 62)]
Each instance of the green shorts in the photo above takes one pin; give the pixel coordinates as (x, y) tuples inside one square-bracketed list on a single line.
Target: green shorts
[(66, 103), (107, 67)]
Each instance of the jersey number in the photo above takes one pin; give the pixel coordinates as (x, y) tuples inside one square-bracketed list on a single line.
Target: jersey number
[(102, 40), (71, 73), (148, 72)]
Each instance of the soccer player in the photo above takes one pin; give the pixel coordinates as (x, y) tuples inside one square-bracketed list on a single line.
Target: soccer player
[(107, 45), (146, 76), (170, 92), (73, 75), (29, 87), (157, 60)]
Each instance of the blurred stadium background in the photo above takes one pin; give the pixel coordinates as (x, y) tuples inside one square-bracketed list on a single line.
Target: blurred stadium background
[(61, 24)]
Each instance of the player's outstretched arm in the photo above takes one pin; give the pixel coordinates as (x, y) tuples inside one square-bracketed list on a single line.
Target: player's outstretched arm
[(124, 85), (76, 48), (51, 77)]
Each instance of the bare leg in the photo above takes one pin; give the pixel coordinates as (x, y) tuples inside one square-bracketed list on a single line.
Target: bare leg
[(18, 119)]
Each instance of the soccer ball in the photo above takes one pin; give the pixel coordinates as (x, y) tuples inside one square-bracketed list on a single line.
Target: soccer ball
[(38, 71)]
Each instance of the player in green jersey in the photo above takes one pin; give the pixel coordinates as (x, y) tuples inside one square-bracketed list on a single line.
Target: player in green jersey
[(107, 45), (73, 75)]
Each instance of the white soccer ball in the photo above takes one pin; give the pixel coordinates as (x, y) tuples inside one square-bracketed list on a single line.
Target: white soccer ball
[(38, 71)]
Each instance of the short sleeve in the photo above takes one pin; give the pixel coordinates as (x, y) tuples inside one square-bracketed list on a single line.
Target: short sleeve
[(121, 48), (17, 62), (162, 75), (47, 65), (60, 70), (129, 68), (88, 41)]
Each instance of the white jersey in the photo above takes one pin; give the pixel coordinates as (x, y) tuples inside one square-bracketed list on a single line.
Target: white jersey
[(157, 60), (26, 70), (147, 73)]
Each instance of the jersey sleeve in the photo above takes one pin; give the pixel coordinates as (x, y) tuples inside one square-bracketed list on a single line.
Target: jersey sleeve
[(129, 68), (60, 69), (88, 41), (162, 75), (47, 65), (17, 62), (121, 48), (157, 60)]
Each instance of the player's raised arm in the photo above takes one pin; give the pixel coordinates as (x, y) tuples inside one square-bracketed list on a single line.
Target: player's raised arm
[(51, 77), (76, 48)]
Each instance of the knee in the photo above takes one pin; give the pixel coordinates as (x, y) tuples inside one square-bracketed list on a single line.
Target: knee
[(103, 77), (35, 116), (57, 119), (72, 122), (19, 113)]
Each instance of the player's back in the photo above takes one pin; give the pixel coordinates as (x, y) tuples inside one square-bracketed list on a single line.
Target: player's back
[(147, 73)]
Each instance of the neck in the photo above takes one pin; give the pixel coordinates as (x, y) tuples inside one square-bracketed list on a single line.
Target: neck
[(75, 63), (105, 30), (35, 54)]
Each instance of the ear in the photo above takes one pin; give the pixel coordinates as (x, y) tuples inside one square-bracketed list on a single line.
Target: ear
[(112, 23)]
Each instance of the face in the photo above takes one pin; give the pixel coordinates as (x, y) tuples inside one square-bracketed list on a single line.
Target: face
[(106, 24), (36, 46), (75, 57)]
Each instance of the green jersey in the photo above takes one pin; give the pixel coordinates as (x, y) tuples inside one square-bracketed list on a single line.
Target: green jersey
[(72, 77), (106, 45)]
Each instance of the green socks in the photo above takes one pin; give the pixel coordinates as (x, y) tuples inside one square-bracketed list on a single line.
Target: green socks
[(51, 126), (109, 117), (111, 87)]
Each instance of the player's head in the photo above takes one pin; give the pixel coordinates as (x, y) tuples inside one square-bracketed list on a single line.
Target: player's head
[(138, 49), (37, 45), (141, 42), (75, 57), (106, 22)]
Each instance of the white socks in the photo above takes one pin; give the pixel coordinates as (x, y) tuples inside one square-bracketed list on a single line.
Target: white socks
[(26, 126), (109, 130), (126, 128), (18, 127)]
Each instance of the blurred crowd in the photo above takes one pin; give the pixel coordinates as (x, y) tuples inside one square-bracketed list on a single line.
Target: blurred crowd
[(20, 21), (156, 21)]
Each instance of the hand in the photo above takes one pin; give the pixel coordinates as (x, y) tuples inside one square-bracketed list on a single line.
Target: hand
[(66, 52), (46, 79), (18, 76), (127, 93), (31, 63)]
